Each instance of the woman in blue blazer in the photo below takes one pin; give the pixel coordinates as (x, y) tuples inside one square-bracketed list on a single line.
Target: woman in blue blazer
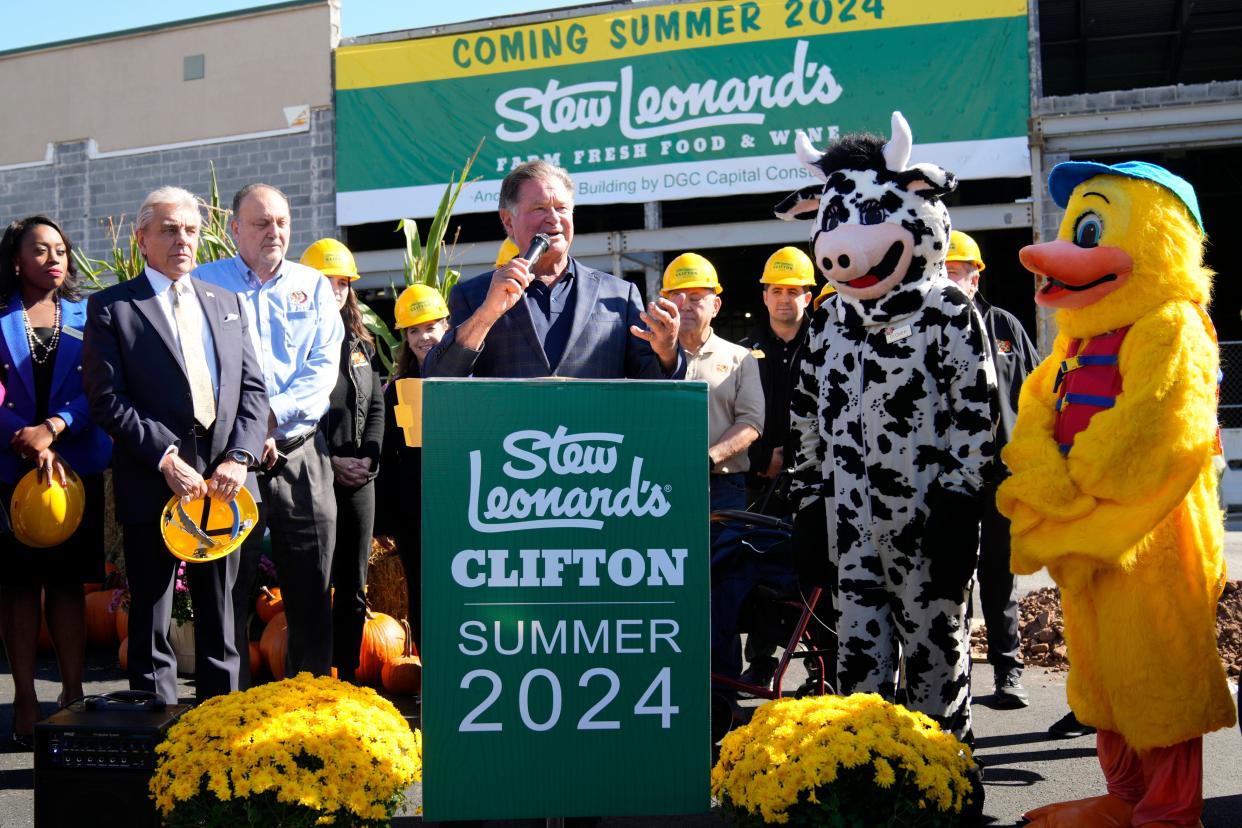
[(44, 423)]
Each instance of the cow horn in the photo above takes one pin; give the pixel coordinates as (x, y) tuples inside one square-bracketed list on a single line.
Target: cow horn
[(897, 150), (808, 155)]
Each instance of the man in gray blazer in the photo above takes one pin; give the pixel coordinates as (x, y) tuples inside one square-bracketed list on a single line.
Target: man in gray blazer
[(172, 377), (554, 316)]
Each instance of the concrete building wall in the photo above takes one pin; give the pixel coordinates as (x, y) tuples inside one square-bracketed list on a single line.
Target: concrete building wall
[(1200, 121), (82, 192), (129, 90)]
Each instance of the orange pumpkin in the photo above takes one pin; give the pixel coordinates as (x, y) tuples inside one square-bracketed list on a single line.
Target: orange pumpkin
[(109, 569), (403, 675), (269, 603), (123, 654), (100, 625), (382, 641), (274, 643), (122, 623), (256, 659)]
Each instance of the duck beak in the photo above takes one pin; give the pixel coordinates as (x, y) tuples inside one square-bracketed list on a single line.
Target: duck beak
[(1073, 276)]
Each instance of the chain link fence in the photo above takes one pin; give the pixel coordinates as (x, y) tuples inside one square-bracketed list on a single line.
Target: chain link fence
[(1231, 384)]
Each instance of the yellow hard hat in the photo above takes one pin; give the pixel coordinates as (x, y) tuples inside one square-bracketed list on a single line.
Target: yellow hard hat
[(204, 529), (823, 294), (962, 248), (690, 270), (44, 515), (506, 252), (789, 266), (418, 304), (331, 258)]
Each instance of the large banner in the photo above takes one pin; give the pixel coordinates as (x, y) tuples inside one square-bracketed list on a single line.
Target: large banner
[(678, 101), (565, 599)]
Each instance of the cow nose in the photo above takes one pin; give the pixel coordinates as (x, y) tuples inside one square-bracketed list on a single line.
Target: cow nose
[(843, 260)]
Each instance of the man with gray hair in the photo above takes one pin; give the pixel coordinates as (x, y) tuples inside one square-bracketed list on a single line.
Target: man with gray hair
[(553, 316), (296, 331), (171, 378)]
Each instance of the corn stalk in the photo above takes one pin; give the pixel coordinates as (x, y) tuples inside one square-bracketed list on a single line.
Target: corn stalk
[(421, 261), (214, 242), (125, 261)]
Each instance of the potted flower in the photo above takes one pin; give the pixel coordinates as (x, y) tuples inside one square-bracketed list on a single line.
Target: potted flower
[(181, 632), (300, 752), (843, 761)]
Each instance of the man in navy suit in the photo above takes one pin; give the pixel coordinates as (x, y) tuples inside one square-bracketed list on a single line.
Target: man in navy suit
[(171, 375), (554, 316)]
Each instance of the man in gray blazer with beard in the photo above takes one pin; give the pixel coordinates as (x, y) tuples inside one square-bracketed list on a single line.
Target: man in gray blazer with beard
[(171, 375)]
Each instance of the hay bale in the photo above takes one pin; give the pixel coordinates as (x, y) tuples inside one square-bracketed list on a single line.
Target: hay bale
[(386, 589)]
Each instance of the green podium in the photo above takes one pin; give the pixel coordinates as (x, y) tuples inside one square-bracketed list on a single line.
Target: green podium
[(565, 598)]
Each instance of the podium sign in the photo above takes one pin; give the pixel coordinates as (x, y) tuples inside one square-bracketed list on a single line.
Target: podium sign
[(565, 599)]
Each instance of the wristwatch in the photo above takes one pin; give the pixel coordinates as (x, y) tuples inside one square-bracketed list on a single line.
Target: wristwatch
[(238, 456)]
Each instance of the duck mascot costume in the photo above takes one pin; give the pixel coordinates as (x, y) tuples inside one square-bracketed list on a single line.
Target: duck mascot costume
[(1113, 487)]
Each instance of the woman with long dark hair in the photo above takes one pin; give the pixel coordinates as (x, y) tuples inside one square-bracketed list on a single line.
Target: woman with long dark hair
[(45, 424), (354, 428), (422, 319)]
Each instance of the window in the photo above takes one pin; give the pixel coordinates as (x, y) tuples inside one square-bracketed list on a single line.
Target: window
[(193, 67)]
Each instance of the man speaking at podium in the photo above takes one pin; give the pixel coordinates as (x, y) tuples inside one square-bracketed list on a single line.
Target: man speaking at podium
[(553, 317)]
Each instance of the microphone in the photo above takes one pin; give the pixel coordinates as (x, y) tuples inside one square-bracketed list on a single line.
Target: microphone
[(538, 246)]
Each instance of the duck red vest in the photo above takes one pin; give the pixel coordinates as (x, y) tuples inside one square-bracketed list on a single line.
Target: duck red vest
[(1088, 382)]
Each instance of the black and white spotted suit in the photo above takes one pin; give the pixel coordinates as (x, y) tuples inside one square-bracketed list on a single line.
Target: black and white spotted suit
[(894, 421)]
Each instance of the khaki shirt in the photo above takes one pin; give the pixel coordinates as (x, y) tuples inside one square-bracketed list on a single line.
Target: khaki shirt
[(735, 393)]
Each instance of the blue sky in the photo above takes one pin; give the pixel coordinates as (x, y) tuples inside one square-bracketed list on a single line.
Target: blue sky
[(28, 24)]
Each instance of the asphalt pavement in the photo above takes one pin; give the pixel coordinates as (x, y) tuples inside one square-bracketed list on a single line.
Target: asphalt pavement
[(1024, 766)]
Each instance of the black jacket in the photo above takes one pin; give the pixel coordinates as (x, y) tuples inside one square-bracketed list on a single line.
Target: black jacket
[(777, 373), (354, 423), (398, 506), (1014, 356)]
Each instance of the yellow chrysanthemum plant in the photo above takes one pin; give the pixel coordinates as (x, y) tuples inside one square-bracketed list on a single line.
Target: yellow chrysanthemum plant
[(299, 752), (840, 762)]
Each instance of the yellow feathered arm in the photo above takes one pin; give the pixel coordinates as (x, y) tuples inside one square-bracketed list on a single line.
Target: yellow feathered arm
[(1131, 465), (1039, 487)]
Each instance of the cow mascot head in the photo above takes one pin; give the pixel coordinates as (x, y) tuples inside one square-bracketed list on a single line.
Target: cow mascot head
[(881, 230)]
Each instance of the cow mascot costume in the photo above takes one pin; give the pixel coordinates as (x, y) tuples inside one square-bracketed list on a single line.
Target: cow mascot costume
[(894, 420), (1114, 490)]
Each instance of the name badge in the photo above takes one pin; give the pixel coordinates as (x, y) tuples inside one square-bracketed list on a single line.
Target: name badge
[(68, 331), (892, 335)]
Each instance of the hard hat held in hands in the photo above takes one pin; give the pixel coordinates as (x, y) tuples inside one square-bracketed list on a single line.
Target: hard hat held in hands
[(44, 515), (205, 529)]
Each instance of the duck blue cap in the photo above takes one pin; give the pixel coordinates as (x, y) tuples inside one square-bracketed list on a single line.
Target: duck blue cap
[(1068, 175)]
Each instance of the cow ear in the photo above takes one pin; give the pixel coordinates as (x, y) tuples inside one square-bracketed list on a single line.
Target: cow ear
[(804, 204), (928, 180)]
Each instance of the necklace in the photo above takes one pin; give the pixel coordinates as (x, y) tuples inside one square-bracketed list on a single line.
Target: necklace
[(40, 351)]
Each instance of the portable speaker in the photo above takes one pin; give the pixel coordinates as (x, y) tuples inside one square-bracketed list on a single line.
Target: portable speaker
[(92, 766)]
